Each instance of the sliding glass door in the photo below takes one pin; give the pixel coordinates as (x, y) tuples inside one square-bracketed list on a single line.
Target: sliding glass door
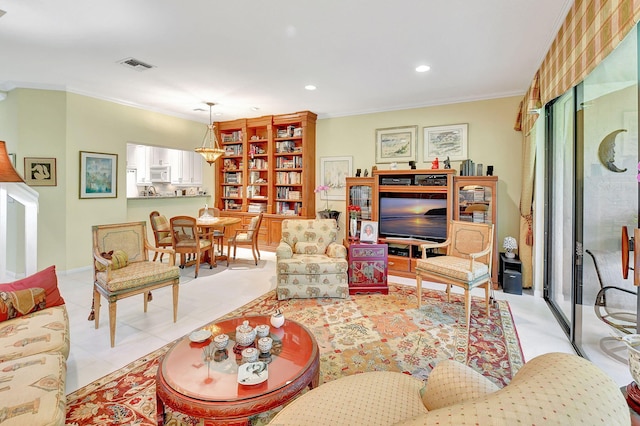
[(592, 192)]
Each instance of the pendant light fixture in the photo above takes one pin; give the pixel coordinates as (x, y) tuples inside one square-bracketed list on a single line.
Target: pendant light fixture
[(212, 152)]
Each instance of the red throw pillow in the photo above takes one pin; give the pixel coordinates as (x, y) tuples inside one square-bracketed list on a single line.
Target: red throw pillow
[(45, 279)]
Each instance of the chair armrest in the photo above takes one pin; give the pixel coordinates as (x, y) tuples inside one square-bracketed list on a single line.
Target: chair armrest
[(284, 251), (170, 252), (336, 251), (432, 244)]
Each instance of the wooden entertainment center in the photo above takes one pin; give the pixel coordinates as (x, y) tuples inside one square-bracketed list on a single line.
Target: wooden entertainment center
[(472, 198)]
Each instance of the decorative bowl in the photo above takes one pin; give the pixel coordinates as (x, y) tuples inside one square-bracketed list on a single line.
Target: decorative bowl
[(265, 344), (245, 334), (199, 336), (250, 355), (262, 330), (221, 341)]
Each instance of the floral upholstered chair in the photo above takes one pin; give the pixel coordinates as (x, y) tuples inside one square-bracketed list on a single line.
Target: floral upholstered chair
[(309, 262)]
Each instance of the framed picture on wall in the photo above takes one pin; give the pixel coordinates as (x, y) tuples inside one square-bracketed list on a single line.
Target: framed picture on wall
[(40, 171), (446, 141), (396, 144), (333, 173), (98, 175)]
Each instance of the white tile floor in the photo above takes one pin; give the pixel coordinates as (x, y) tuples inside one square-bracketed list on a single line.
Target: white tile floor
[(220, 290)]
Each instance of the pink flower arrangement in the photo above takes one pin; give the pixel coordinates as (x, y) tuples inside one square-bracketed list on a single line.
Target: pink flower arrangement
[(323, 188)]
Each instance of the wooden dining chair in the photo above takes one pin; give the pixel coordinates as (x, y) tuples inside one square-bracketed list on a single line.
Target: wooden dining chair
[(187, 239), (161, 232), (246, 236)]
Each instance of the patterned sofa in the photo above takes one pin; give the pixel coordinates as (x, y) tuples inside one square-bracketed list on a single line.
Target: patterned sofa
[(552, 389), (309, 262), (34, 346)]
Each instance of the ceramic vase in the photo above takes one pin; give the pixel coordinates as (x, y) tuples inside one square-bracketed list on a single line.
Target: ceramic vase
[(633, 346), (277, 319)]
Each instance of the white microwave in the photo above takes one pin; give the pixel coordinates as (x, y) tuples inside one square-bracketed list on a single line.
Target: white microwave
[(160, 174)]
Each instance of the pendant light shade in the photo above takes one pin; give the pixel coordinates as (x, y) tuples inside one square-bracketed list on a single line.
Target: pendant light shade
[(212, 152), (7, 172)]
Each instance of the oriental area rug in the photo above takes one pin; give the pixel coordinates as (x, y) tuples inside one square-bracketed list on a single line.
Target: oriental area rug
[(366, 332)]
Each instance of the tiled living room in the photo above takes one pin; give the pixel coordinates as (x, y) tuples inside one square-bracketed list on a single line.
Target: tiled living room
[(102, 116)]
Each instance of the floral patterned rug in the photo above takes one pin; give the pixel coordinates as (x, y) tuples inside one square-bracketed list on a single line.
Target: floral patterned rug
[(362, 333)]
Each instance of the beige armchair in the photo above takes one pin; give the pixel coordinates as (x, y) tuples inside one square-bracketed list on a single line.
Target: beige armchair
[(551, 389), (466, 264), (309, 261), (122, 269)]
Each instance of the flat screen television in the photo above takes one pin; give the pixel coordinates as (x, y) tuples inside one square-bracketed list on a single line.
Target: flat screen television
[(418, 216)]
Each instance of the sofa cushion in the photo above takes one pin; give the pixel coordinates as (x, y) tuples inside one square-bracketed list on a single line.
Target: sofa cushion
[(34, 390), (451, 382), (308, 248), (312, 264), (45, 279), (137, 274), (453, 266), (17, 303), (373, 398), (38, 332)]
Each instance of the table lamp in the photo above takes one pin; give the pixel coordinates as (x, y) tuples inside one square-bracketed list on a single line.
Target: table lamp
[(509, 244)]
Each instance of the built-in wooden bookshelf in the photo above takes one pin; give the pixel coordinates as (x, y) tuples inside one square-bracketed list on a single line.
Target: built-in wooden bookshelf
[(269, 167)]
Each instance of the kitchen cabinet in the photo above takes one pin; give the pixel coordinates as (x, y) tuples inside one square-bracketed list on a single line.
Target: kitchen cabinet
[(186, 167)]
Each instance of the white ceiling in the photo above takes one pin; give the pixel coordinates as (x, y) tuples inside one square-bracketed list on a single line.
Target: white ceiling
[(361, 54)]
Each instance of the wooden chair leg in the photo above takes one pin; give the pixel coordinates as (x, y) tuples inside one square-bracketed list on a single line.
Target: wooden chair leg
[(228, 251), (112, 322), (467, 306), (175, 301), (487, 297), (255, 257), (155, 256), (96, 307), (146, 300), (419, 289), (448, 293), (197, 263)]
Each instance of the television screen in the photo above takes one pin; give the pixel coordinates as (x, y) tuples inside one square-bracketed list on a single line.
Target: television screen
[(405, 215)]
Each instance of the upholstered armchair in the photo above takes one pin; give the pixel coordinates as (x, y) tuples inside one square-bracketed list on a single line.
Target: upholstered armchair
[(466, 263), (309, 261), (122, 268)]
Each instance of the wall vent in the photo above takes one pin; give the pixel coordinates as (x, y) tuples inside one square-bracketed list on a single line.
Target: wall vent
[(135, 64)]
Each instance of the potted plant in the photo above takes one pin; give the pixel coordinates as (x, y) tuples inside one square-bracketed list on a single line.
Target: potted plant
[(327, 213)]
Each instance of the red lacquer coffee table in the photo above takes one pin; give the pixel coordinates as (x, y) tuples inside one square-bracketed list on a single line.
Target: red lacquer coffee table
[(185, 383)]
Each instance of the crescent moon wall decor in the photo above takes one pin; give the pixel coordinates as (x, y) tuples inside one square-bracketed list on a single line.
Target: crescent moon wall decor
[(607, 152)]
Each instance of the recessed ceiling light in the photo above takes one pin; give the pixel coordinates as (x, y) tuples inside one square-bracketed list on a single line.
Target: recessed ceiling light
[(423, 68), (199, 109), (255, 109), (217, 114), (310, 87)]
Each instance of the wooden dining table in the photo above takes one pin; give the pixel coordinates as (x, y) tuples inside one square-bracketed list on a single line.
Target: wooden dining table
[(212, 223)]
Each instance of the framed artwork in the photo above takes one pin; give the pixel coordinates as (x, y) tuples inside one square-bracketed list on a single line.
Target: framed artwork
[(446, 141), (98, 175), (333, 173), (369, 232), (396, 144), (40, 171)]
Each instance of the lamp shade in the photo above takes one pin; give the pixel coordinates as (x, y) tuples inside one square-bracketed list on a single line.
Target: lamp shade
[(509, 243), (7, 172)]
